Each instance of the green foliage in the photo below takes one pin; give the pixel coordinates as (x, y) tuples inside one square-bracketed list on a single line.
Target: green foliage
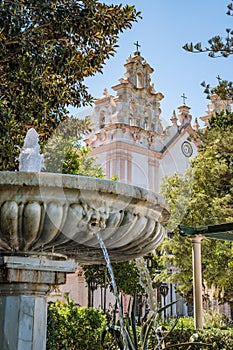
[(115, 177), (215, 319), (216, 338), (222, 121), (79, 328), (70, 157), (224, 90), (218, 46), (203, 196), (220, 339), (177, 191), (47, 50), (126, 276), (184, 333), (129, 335), (74, 328), (65, 153), (185, 323)]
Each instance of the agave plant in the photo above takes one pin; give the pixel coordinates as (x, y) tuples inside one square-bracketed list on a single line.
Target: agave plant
[(128, 337)]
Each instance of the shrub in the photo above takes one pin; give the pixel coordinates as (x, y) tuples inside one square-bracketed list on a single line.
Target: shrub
[(216, 319), (219, 339), (80, 328), (74, 328)]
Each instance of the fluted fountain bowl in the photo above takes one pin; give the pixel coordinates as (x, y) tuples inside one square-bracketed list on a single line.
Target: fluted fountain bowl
[(51, 214)]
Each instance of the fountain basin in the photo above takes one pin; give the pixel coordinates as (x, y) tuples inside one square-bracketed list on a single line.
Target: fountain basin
[(54, 214)]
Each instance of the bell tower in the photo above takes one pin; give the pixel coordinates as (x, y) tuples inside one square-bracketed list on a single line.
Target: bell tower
[(138, 71)]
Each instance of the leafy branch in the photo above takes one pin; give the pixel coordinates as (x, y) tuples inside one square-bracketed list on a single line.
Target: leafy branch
[(218, 46)]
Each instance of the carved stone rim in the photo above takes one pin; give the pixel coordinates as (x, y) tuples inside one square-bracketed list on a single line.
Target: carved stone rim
[(55, 213), (85, 183)]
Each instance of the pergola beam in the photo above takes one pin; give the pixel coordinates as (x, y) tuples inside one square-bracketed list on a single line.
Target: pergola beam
[(221, 231)]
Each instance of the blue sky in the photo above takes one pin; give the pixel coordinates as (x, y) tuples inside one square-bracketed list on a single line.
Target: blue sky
[(165, 27)]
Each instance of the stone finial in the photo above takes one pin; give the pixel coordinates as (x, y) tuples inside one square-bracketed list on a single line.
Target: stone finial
[(105, 92), (184, 116), (152, 88), (196, 125), (129, 58), (174, 118)]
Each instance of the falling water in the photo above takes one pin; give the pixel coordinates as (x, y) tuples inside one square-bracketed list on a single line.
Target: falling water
[(146, 283), (115, 291), (30, 159)]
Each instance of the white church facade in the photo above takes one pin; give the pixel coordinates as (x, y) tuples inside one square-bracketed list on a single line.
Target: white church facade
[(128, 137)]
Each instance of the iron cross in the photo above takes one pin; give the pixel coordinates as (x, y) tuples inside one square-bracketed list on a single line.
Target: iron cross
[(137, 45), (219, 79), (184, 98)]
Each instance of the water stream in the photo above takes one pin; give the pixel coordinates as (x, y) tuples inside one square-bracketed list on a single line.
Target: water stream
[(30, 159), (114, 286), (146, 282)]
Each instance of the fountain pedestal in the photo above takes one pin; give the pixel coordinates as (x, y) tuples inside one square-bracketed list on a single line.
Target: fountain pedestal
[(24, 285)]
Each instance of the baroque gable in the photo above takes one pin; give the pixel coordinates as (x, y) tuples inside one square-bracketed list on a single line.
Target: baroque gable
[(136, 102)]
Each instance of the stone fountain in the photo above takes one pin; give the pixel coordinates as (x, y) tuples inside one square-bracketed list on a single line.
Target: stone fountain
[(48, 224)]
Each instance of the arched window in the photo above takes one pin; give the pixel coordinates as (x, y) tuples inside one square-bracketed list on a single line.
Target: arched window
[(139, 80), (102, 119)]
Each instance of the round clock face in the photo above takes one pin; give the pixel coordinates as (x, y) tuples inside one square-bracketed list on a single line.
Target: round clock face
[(187, 149)]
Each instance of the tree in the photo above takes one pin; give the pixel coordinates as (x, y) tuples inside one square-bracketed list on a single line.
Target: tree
[(218, 47), (47, 50), (126, 276), (66, 153), (209, 184), (205, 191)]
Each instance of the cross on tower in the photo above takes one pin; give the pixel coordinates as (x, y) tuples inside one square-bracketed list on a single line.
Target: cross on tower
[(219, 79), (184, 98), (137, 45)]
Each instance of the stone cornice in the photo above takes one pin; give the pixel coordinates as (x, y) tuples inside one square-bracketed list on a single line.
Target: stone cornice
[(115, 146), (150, 93)]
